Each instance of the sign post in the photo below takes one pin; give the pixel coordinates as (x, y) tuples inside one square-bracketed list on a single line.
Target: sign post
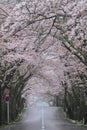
[(8, 112), (7, 102), (7, 91)]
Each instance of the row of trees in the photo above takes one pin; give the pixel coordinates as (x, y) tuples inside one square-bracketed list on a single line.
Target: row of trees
[(11, 79), (75, 100)]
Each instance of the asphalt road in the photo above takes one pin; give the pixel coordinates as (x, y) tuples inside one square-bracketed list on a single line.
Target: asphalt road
[(44, 118)]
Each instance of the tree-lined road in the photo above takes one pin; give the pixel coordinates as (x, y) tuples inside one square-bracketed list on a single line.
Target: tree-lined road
[(44, 118), (43, 55)]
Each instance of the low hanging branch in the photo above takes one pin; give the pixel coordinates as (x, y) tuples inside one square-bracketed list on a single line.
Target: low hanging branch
[(71, 48), (5, 13)]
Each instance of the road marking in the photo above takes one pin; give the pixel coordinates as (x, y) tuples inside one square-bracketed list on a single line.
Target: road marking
[(43, 123)]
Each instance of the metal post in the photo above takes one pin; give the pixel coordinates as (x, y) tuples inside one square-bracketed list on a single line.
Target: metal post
[(8, 112), (43, 123), (83, 121)]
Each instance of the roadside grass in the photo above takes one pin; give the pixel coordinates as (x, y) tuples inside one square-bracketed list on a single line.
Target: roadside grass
[(73, 121)]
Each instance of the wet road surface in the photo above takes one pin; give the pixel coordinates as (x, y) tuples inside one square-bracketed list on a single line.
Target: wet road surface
[(44, 118)]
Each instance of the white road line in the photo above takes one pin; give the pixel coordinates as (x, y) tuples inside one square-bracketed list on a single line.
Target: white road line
[(43, 123)]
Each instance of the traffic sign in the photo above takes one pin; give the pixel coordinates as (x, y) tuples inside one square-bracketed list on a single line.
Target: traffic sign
[(7, 98)]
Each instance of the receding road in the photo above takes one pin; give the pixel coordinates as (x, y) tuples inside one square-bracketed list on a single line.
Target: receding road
[(44, 118)]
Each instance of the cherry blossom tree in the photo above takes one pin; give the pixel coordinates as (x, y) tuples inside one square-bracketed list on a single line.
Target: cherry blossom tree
[(43, 49)]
